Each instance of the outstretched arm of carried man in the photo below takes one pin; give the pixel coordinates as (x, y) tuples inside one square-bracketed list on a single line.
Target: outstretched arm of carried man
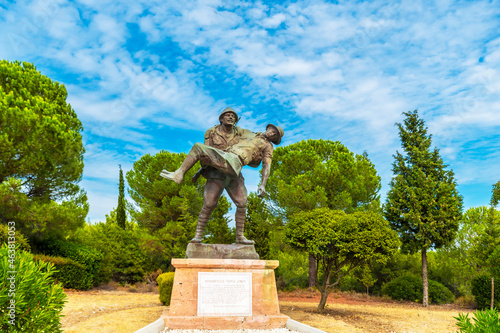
[(266, 168)]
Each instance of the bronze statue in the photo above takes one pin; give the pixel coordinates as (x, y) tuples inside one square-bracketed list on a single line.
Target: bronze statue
[(221, 136), (222, 167)]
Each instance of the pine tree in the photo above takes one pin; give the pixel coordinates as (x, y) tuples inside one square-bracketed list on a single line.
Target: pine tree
[(321, 173), (40, 140), (121, 216), (423, 204)]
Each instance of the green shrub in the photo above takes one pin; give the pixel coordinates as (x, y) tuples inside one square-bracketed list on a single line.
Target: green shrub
[(38, 301), (409, 288), (165, 284), (481, 289), (487, 321), (19, 239), (124, 259), (89, 257), (404, 288), (439, 293), (69, 272)]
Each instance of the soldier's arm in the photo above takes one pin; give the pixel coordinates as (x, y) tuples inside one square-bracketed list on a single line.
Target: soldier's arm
[(208, 135), (245, 134), (266, 169)]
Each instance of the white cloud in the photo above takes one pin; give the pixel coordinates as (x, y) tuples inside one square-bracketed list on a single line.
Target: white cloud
[(273, 21)]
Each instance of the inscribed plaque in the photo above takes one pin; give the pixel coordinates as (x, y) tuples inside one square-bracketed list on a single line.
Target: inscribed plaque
[(224, 294)]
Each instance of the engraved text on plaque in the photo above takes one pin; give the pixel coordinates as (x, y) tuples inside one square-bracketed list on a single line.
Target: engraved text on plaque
[(224, 294)]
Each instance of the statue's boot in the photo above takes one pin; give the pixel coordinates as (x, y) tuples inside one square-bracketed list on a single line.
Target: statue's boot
[(178, 175), (202, 222), (239, 218)]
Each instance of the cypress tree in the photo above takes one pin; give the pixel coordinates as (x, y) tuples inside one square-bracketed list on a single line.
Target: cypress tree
[(121, 216), (423, 204), (495, 194)]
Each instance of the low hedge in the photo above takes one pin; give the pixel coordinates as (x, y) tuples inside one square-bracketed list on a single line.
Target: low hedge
[(165, 285), (70, 273), (87, 256)]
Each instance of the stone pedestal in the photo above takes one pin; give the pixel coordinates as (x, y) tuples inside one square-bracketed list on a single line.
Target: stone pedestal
[(257, 302)]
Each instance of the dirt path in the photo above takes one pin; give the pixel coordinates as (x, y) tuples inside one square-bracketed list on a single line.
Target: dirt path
[(123, 311)]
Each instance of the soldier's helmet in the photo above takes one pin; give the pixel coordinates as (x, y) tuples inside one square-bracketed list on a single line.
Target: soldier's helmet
[(226, 110), (280, 131)]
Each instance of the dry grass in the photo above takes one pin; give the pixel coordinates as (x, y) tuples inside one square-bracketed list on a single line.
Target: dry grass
[(351, 312), (355, 318), (125, 311), (110, 311)]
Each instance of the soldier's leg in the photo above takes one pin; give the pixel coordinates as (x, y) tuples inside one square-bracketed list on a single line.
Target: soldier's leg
[(211, 194), (190, 160), (238, 193)]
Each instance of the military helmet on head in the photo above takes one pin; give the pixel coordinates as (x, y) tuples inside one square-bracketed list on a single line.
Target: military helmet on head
[(226, 110), (280, 131)]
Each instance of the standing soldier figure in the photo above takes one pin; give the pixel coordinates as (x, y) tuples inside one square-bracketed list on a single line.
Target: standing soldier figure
[(222, 137)]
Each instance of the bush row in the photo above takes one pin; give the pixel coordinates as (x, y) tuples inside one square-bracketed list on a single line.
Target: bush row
[(70, 273), (81, 276)]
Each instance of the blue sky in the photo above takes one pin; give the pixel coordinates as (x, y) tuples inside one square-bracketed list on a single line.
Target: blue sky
[(150, 75)]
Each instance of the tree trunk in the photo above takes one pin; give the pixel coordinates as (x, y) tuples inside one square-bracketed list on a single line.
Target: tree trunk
[(425, 283), (313, 273), (322, 301), (492, 305), (324, 288)]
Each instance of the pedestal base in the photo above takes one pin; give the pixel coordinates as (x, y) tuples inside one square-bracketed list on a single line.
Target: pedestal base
[(265, 312)]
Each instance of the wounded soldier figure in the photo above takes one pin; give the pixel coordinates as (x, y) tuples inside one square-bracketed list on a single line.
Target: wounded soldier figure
[(252, 149)]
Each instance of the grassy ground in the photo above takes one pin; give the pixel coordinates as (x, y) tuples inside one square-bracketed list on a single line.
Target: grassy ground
[(124, 311)]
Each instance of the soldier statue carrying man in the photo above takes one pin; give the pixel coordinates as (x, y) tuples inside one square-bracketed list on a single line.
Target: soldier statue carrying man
[(226, 150)]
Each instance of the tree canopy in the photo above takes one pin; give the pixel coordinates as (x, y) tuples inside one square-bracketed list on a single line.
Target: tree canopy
[(341, 242), (40, 140), (322, 173), (41, 155), (423, 204), (159, 200), (478, 237)]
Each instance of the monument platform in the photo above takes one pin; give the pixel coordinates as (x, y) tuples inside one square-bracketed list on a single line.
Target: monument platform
[(219, 294), (221, 251)]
